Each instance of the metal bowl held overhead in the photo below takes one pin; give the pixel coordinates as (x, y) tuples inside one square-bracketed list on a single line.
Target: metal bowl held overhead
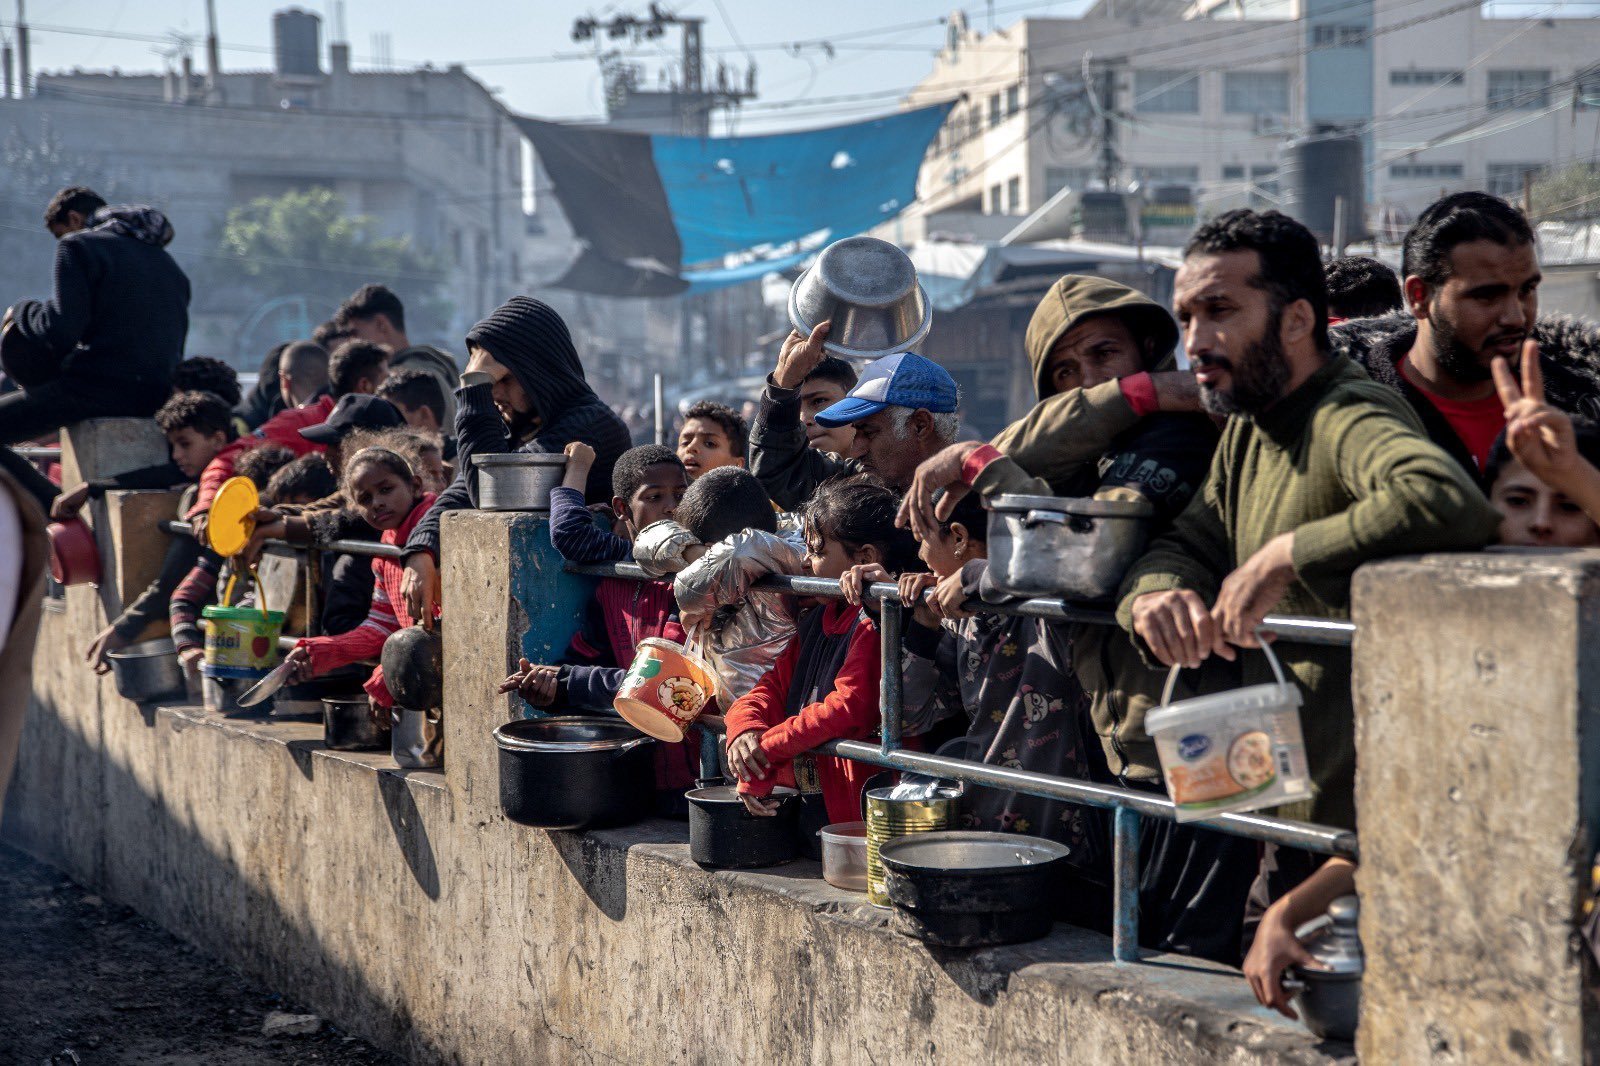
[(1075, 548), (147, 671), (518, 481), (868, 289), (969, 889)]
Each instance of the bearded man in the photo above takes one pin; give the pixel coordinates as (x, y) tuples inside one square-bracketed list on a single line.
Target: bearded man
[(1472, 293)]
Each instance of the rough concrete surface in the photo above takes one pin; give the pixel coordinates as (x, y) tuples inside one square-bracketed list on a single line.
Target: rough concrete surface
[(1476, 698), (405, 907), (86, 977)]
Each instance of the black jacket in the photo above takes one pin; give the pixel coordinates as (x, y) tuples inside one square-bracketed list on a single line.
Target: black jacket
[(120, 313), (1569, 355)]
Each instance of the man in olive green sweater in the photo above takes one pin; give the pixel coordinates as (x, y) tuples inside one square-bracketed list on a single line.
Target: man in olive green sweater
[(1319, 470)]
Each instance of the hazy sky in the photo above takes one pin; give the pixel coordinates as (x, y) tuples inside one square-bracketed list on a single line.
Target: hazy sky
[(495, 38)]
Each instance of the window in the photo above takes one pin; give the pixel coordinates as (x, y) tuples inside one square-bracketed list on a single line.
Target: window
[(994, 110), (1505, 179), (1167, 175), (996, 204), (1014, 196), (1328, 35), (1519, 90), (1013, 100), (1426, 170), (1255, 92), (1424, 77), (1058, 178), (1166, 92), (1232, 172), (1589, 89)]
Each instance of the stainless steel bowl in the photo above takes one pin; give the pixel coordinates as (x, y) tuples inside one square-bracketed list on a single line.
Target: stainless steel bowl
[(147, 671), (518, 481), (868, 289), (1075, 548)]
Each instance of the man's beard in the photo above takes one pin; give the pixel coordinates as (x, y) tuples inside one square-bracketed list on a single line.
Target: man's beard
[(1257, 381), (1459, 363)]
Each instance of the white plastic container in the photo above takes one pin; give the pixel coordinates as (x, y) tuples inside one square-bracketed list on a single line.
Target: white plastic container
[(1231, 751), (844, 855)]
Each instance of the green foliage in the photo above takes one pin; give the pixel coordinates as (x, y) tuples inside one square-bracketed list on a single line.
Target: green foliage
[(304, 243), (1571, 193)]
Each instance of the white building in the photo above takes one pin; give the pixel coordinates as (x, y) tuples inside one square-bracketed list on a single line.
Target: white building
[(1208, 96)]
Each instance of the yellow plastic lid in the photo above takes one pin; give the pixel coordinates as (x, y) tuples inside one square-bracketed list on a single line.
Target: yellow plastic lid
[(233, 516)]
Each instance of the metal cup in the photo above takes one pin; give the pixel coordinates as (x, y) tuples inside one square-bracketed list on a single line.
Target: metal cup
[(889, 818)]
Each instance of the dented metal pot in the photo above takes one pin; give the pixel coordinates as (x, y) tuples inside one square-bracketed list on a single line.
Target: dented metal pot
[(1074, 548)]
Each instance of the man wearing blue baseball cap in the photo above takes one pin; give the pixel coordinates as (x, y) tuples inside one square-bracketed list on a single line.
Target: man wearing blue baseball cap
[(903, 409)]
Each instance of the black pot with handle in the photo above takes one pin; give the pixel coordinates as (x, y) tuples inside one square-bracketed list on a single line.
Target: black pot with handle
[(575, 772), (413, 667), (726, 836), (965, 889)]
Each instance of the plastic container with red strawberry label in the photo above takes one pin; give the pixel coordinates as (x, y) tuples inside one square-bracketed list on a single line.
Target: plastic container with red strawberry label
[(242, 638)]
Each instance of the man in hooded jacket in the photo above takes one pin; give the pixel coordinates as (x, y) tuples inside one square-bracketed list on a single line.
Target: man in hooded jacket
[(524, 389), (106, 343)]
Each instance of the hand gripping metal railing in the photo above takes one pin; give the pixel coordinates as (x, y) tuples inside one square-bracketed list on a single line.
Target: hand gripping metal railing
[(1128, 806)]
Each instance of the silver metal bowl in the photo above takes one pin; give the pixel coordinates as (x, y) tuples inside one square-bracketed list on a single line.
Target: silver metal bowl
[(518, 481), (868, 289), (147, 671)]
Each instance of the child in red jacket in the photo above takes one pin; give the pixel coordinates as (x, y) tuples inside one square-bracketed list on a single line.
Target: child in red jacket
[(384, 490), (825, 684)]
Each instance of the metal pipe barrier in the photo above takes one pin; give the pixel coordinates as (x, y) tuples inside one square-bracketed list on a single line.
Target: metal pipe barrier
[(1129, 807)]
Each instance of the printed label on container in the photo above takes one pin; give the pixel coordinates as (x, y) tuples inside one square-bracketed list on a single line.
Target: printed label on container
[(1212, 774)]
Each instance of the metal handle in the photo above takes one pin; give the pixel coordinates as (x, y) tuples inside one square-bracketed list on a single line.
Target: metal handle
[(1033, 518), (630, 745), (1291, 984)]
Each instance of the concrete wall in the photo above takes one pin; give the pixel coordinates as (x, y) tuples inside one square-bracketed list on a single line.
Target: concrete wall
[(404, 906)]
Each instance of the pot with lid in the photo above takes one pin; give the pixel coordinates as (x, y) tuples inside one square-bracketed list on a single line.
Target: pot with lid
[(1329, 999), (518, 481), (1073, 547)]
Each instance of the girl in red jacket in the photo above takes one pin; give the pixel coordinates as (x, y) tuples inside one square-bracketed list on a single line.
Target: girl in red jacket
[(382, 488), (825, 684)]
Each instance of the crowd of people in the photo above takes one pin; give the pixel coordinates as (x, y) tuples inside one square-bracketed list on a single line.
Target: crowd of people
[(1327, 416)]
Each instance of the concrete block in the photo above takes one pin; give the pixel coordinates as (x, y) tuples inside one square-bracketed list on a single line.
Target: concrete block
[(132, 545), (105, 447), (1477, 698)]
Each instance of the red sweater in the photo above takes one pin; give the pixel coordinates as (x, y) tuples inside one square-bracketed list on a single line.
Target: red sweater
[(282, 428), (849, 712), (388, 615)]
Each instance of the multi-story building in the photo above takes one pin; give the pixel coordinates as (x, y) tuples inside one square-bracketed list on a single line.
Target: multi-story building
[(1209, 95), (429, 154)]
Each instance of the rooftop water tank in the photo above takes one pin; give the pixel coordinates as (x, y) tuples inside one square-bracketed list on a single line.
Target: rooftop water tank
[(1316, 172), (297, 43)]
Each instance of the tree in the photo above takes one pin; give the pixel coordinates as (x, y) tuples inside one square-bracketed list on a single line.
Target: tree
[(303, 243), (1570, 194)]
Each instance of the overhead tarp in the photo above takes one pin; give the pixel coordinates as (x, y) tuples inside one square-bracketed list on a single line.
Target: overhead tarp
[(656, 214)]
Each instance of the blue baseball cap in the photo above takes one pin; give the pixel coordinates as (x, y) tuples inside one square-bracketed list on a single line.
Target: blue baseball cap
[(902, 380)]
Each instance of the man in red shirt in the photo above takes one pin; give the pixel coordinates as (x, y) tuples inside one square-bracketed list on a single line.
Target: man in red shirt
[(1472, 293)]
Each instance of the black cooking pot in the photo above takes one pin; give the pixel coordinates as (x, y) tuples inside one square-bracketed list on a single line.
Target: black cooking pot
[(413, 667), (723, 834), (575, 772), (348, 725), (967, 889)]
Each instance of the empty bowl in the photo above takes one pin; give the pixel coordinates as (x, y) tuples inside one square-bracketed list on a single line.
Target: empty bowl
[(868, 289)]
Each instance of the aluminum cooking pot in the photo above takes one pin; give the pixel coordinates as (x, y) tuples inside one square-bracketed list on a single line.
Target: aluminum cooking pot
[(518, 481), (1329, 999), (147, 671), (965, 889), (868, 289), (575, 772), (1073, 547)]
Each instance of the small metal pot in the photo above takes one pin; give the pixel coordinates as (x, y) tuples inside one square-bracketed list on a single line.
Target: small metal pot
[(413, 666), (416, 738), (723, 835), (1075, 548), (868, 289), (1328, 1000), (575, 772), (147, 671), (348, 725), (518, 481), (964, 889)]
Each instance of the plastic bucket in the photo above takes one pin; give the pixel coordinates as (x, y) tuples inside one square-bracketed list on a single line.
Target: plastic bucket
[(1231, 751), (242, 638), (665, 689), (888, 818), (844, 855)]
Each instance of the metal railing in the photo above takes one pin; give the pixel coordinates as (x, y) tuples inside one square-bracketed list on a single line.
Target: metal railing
[(1129, 806)]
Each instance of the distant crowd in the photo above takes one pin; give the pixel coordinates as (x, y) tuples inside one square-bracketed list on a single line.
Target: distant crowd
[(1327, 416)]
